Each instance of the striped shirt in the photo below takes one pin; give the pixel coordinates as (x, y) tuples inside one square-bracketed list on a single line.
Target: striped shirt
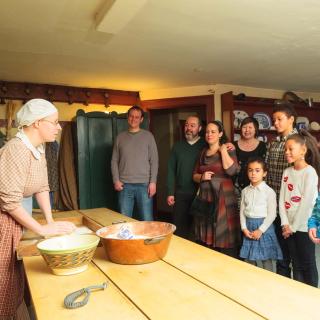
[(277, 162)]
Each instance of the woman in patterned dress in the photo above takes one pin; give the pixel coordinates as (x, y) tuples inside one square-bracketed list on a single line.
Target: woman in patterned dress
[(23, 174), (213, 171)]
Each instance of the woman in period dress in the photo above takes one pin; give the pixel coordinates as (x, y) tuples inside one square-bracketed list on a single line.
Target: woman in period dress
[(213, 171), (23, 174)]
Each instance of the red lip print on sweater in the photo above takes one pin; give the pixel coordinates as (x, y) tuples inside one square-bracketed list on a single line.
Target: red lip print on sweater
[(290, 186), (295, 199), (287, 205), (285, 179)]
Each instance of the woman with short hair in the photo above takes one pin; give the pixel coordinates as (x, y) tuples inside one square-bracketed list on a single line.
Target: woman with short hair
[(248, 146)]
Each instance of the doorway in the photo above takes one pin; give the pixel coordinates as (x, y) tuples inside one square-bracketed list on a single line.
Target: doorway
[(167, 126)]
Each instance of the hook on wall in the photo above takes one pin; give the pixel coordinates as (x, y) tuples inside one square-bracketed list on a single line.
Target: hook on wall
[(27, 90), (4, 89), (88, 95), (106, 100), (49, 93), (70, 98)]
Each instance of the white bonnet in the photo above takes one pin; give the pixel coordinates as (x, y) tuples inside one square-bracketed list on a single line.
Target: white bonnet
[(34, 110)]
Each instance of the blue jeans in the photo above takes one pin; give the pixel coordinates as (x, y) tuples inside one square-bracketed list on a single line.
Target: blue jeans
[(136, 193)]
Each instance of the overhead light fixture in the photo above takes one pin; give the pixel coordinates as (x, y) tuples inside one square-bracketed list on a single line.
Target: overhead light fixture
[(116, 14)]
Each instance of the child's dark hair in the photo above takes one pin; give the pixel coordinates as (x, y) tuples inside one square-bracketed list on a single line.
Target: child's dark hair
[(137, 108), (223, 139), (255, 123), (260, 160), (285, 107), (312, 155)]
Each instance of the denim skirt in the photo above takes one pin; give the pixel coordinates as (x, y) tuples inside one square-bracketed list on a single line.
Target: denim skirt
[(267, 247)]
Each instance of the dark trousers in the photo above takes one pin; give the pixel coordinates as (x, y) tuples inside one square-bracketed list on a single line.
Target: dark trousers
[(181, 217), (302, 251), (283, 266)]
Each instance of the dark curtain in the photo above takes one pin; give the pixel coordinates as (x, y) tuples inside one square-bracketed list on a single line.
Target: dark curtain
[(68, 192)]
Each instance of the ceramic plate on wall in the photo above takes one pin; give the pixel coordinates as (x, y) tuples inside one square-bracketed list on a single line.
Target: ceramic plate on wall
[(236, 137), (302, 122), (239, 115), (314, 126), (263, 119), (263, 138)]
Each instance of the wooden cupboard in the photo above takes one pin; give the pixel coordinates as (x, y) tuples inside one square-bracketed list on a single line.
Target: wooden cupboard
[(94, 134)]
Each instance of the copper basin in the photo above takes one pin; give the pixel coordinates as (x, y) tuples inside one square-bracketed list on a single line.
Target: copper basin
[(154, 245)]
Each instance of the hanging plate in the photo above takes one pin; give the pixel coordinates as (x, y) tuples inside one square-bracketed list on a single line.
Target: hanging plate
[(239, 115), (263, 119)]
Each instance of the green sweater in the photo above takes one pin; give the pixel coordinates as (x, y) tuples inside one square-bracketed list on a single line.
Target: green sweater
[(181, 163)]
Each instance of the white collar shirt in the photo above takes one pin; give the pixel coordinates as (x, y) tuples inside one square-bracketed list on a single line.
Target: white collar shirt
[(36, 151), (258, 202)]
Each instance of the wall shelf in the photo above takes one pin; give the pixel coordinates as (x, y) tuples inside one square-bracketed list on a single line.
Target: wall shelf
[(251, 105)]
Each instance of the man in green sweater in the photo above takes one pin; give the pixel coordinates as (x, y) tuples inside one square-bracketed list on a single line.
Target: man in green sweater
[(181, 189)]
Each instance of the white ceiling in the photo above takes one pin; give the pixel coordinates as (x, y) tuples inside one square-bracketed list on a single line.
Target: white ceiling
[(162, 43)]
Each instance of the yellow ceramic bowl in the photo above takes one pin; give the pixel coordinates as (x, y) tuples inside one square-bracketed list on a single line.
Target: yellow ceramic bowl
[(68, 254)]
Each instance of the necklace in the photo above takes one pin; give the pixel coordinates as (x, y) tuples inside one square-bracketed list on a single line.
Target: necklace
[(248, 145)]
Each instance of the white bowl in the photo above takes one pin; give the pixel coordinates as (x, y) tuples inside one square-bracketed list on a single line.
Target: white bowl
[(68, 254)]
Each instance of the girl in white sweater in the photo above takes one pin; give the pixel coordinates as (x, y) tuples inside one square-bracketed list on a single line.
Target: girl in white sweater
[(298, 193)]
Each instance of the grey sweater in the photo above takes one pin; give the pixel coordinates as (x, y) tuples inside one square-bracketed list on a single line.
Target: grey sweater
[(135, 158)]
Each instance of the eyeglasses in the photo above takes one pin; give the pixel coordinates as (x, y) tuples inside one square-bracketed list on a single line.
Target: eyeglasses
[(55, 123)]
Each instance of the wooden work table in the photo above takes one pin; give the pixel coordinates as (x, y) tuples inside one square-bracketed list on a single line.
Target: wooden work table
[(191, 282)]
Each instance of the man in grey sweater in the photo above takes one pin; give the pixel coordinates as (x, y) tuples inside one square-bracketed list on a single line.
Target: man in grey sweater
[(134, 167)]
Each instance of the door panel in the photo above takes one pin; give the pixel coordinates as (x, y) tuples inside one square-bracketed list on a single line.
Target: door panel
[(95, 135), (168, 127)]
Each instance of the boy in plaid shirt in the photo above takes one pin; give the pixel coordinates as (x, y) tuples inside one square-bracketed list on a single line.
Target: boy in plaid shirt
[(284, 116)]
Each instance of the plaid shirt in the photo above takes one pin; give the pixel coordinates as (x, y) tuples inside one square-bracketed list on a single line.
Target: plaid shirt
[(277, 162), (22, 175)]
